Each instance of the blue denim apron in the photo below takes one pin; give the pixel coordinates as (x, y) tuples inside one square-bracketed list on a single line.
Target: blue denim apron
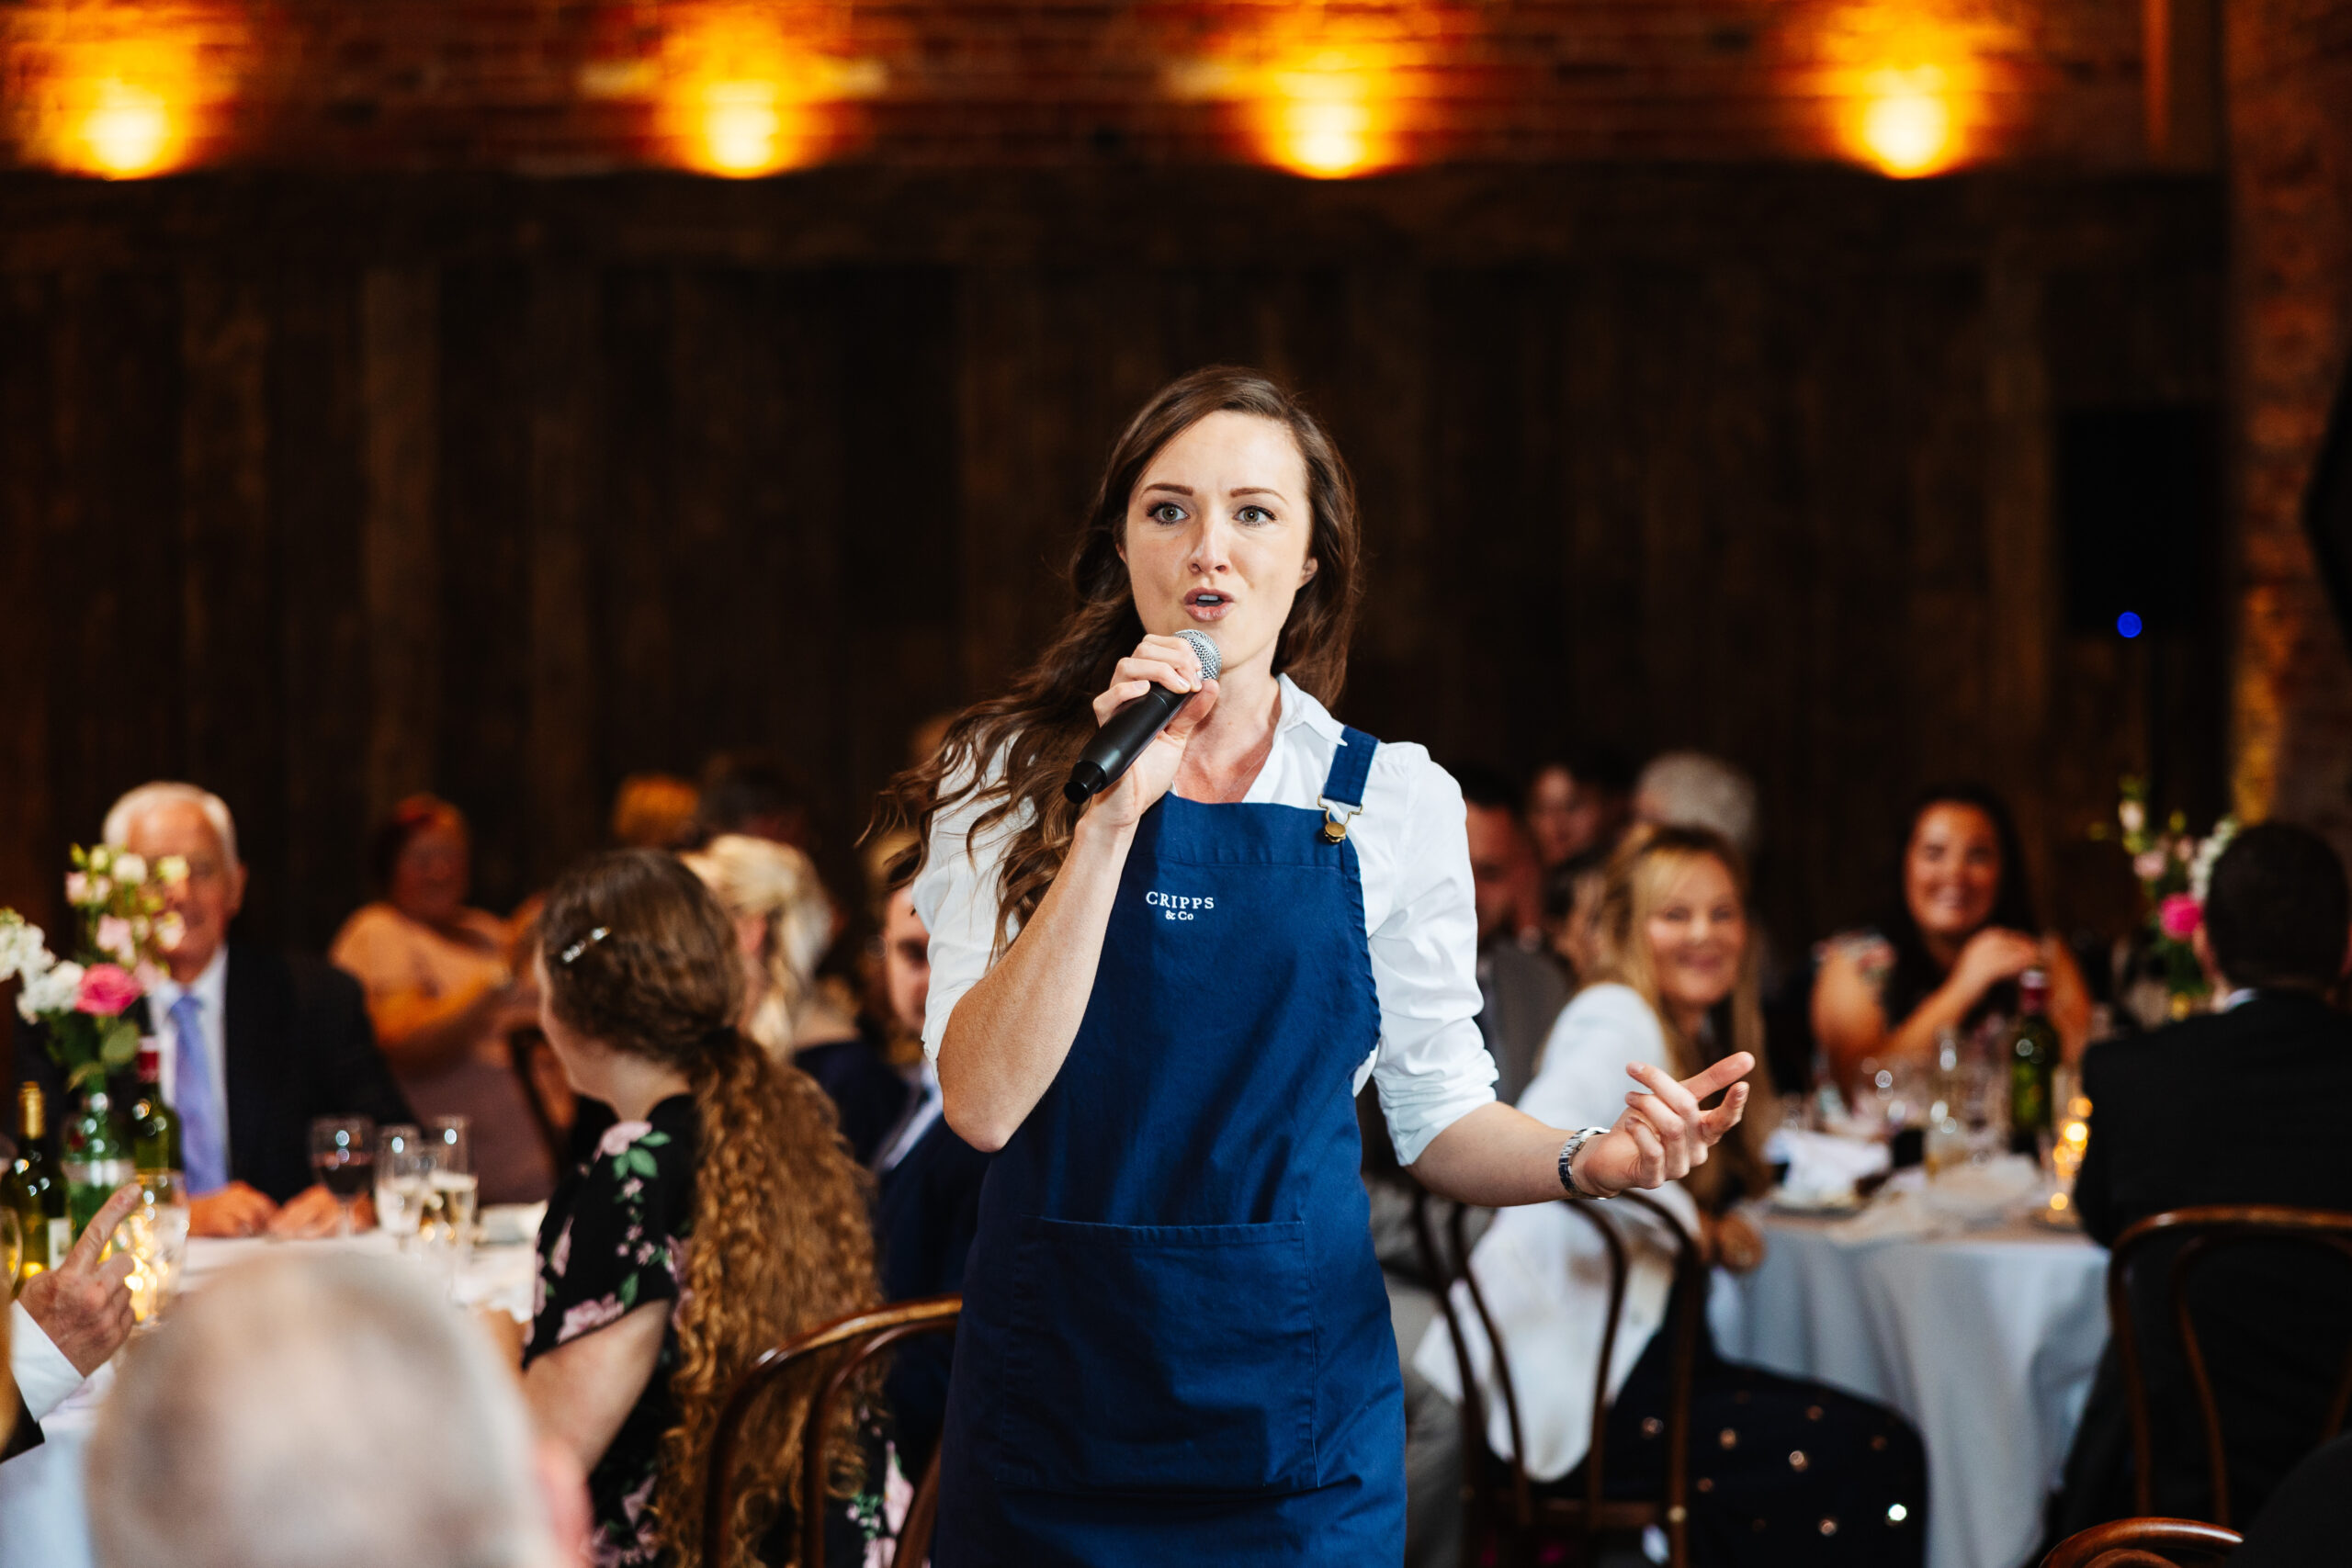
[(1175, 1345)]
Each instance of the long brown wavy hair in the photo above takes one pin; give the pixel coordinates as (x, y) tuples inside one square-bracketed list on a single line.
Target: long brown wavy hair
[(641, 956), (1037, 729), (1643, 868)]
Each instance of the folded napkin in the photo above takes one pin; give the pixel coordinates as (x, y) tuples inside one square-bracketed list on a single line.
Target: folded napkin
[(1912, 1208), (1823, 1166)]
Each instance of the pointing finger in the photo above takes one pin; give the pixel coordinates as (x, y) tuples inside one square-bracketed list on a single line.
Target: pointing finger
[(1724, 1117), (100, 1230), (1723, 1074)]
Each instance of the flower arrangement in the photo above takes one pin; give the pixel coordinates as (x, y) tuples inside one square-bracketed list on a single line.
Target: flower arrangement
[(2174, 868), (120, 902)]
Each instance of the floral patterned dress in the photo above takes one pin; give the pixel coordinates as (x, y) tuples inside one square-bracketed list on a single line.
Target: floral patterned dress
[(614, 1238)]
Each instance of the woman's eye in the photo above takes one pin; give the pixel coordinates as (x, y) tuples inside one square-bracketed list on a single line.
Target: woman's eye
[(1166, 512), (1253, 514)]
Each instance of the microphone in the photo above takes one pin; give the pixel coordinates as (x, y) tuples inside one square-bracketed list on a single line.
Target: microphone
[(1121, 741)]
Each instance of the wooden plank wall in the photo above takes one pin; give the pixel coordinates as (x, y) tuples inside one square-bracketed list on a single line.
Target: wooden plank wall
[(325, 491)]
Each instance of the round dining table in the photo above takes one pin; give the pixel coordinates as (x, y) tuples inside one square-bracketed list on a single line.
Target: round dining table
[(1986, 1340), (43, 1521)]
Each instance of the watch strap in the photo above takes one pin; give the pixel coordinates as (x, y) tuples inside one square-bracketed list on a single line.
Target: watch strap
[(1577, 1141)]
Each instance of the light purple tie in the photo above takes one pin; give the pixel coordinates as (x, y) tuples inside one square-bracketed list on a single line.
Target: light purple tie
[(203, 1149)]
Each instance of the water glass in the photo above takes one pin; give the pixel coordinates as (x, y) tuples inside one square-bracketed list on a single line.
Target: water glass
[(343, 1152), (405, 1163), (154, 1234), (449, 1208)]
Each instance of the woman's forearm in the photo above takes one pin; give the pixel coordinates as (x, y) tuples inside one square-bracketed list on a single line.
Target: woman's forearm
[(1495, 1156), (1010, 1034), (420, 1034), (1913, 1040)]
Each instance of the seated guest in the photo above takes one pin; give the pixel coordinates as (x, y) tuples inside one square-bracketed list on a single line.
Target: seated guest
[(1676, 989), (67, 1323), (1691, 789), (718, 1217), (2308, 1519), (255, 1044), (653, 811), (1578, 806), (300, 1411), (1948, 952), (1522, 989), (2277, 1061), (783, 924), (929, 1208), (442, 988)]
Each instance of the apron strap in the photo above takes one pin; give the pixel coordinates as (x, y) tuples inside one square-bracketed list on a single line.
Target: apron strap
[(1342, 795)]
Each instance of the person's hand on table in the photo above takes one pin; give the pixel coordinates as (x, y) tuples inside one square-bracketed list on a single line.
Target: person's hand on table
[(312, 1213), (84, 1305), (1663, 1133), (235, 1210)]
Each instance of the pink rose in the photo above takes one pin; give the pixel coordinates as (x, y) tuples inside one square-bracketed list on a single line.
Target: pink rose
[(2149, 864), (114, 936), (620, 1136), (77, 888), (106, 989), (585, 1318), (2179, 915)]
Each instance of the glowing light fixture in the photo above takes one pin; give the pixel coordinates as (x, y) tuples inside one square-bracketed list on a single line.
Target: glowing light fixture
[(1908, 123), (741, 98), (129, 130), (1325, 116)]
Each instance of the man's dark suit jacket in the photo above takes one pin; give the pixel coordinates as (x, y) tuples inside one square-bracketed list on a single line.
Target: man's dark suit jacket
[(2243, 1107), (298, 1045)]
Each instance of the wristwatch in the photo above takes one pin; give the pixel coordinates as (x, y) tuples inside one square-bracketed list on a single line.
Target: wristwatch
[(1568, 1158)]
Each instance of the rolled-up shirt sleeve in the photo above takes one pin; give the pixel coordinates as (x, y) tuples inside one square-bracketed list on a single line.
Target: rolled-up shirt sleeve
[(1431, 1067), (955, 894)]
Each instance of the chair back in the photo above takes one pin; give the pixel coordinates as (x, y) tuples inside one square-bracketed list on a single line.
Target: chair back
[(1487, 1475), (849, 1343), (2203, 1232), (2135, 1543)]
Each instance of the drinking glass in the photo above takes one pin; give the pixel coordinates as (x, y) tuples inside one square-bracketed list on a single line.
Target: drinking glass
[(404, 1162), (455, 1184), (12, 1246), (342, 1151), (154, 1234)]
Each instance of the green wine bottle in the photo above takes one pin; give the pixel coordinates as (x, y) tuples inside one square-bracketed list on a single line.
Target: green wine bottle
[(33, 1187), (2033, 1057), (154, 1125), (98, 1157)]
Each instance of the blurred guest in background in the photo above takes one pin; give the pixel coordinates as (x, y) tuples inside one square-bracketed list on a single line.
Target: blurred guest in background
[(654, 811), (1571, 905), (930, 1204), (2275, 1062), (783, 921), (718, 1217), (255, 1043), (1948, 953), (753, 792), (1578, 804), (442, 988), (1692, 789), (1678, 989), (302, 1410), (1521, 986)]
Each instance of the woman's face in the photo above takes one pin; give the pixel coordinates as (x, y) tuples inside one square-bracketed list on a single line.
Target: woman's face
[(1951, 870), (429, 878), (1217, 534), (1698, 933)]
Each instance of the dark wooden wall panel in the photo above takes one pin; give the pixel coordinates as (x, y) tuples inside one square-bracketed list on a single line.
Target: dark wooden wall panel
[(507, 490)]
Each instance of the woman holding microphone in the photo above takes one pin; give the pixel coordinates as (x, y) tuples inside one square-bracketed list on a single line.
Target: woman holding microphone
[(1175, 1345)]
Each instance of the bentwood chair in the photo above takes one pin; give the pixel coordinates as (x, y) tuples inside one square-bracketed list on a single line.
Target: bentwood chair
[(844, 1345), (1503, 1512), (2135, 1543), (2200, 1232)]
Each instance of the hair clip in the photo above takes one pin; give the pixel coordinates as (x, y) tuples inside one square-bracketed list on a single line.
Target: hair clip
[(582, 945)]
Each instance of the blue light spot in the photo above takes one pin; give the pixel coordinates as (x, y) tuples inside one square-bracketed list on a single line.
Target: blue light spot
[(2128, 624)]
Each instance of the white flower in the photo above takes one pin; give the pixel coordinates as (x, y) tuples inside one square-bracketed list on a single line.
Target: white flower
[(173, 869), (2132, 815), (101, 889), (51, 991), (20, 947), (100, 857), (2148, 864), (169, 929), (130, 868), (2200, 867)]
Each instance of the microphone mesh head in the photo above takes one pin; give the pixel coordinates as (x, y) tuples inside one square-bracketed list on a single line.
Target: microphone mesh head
[(1211, 660)]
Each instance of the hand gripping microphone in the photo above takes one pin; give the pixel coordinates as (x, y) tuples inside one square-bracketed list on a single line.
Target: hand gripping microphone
[(1122, 738)]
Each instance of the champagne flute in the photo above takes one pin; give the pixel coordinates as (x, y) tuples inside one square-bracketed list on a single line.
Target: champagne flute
[(154, 1234), (342, 1151), (405, 1163), (454, 1181)]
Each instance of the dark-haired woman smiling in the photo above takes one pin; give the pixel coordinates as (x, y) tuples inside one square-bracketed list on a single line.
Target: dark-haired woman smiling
[(1175, 1346), (1949, 954)]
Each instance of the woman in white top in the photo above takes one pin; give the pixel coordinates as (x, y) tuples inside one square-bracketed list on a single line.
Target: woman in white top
[(1783, 1471), (1157, 1010)]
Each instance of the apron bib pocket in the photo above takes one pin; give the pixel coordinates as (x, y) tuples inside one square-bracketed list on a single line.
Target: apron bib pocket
[(1116, 1326)]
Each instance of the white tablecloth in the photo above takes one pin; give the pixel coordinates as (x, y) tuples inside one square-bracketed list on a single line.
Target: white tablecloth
[(1986, 1342), (42, 1522)]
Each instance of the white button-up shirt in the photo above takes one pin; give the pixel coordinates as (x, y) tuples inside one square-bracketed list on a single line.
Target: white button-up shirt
[(1420, 925), (211, 989)]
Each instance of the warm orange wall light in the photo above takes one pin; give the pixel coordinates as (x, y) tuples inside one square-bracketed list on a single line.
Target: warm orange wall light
[(1905, 82), (121, 107), (1906, 122), (129, 131), (1326, 117), (742, 99)]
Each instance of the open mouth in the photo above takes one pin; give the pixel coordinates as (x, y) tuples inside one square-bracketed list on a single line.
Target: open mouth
[(1207, 604)]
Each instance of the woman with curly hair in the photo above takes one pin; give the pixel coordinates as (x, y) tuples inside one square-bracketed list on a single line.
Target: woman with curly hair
[(718, 1216), (1158, 1003)]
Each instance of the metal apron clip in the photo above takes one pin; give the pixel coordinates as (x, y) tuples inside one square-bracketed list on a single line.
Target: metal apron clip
[(1337, 815)]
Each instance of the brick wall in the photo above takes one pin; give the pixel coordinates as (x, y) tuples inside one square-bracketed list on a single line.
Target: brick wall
[(2290, 134), (543, 87)]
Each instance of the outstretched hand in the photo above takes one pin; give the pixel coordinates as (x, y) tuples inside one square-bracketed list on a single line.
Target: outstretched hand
[(1664, 1134), (84, 1304)]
